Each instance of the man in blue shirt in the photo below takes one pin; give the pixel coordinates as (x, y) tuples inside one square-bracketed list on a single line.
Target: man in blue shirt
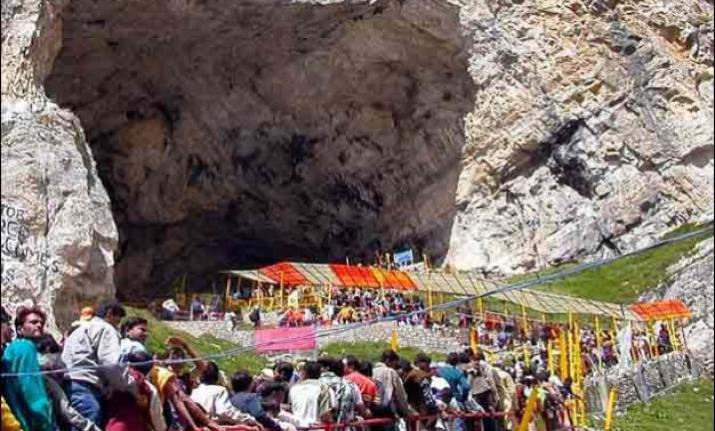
[(458, 382), (246, 400), (26, 394), (455, 377)]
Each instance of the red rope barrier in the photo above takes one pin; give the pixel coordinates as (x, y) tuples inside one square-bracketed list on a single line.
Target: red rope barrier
[(410, 420)]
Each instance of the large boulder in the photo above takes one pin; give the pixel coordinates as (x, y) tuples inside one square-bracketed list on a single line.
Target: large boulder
[(58, 236)]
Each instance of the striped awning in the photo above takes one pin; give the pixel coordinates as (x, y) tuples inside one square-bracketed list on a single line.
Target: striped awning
[(458, 284), (660, 310)]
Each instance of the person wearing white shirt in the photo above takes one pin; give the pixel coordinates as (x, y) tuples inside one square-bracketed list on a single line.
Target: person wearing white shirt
[(135, 331), (310, 400), (215, 400)]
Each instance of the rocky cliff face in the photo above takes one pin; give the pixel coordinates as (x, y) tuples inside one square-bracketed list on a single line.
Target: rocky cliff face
[(58, 236), (592, 132), (500, 136)]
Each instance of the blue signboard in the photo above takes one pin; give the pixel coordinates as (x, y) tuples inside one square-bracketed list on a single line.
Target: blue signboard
[(404, 258)]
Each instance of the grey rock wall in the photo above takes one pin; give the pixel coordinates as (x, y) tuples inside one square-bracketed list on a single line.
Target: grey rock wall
[(592, 131), (58, 235), (638, 383)]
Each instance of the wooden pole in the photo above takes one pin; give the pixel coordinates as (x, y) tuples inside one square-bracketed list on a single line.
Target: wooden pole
[(597, 330), (563, 355), (320, 297), (259, 292), (572, 369), (673, 335), (550, 357), (228, 290), (480, 304), (280, 288), (612, 397), (531, 405), (652, 337), (474, 340), (429, 295), (524, 321)]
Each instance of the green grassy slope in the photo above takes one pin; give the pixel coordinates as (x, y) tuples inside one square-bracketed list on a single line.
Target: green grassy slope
[(371, 350), (688, 408), (623, 281)]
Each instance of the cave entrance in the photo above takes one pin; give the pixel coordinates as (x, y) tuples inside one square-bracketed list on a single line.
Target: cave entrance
[(240, 133)]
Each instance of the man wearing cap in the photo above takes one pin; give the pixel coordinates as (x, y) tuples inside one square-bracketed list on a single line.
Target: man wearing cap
[(92, 353)]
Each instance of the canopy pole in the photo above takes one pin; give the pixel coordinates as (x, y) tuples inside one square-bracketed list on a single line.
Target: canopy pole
[(320, 299), (597, 329), (280, 288), (260, 294), (673, 335), (228, 289), (429, 294), (572, 369), (563, 355), (653, 340)]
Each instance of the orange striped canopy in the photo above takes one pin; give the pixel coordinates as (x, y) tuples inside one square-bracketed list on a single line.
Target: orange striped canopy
[(659, 310), (294, 274), (284, 272)]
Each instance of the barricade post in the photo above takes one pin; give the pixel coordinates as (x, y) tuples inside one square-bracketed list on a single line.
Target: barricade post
[(528, 412), (612, 397)]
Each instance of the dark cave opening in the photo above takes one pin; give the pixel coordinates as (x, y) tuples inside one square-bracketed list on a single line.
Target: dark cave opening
[(242, 133)]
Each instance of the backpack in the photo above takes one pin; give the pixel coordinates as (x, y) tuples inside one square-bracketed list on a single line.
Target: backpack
[(428, 396), (344, 395)]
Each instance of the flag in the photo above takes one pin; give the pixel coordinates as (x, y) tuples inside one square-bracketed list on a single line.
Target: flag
[(393, 341), (474, 340)]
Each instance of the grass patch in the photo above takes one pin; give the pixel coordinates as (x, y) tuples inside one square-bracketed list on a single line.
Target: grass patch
[(372, 350), (688, 407), (205, 345), (623, 281)]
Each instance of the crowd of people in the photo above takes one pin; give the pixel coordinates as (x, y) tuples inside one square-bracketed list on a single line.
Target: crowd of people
[(101, 376), (346, 306)]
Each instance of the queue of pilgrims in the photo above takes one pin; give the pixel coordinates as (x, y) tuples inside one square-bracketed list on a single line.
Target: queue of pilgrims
[(101, 376)]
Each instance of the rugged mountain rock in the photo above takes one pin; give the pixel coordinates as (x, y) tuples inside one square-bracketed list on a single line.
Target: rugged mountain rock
[(593, 129), (58, 236), (497, 136)]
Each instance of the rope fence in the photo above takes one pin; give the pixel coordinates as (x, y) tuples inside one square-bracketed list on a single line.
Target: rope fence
[(538, 280)]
